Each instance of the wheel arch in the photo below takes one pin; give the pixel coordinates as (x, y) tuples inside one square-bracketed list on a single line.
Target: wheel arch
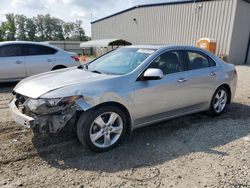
[(56, 67), (122, 107), (229, 91)]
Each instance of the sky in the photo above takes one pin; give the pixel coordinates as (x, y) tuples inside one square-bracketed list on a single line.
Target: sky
[(70, 10)]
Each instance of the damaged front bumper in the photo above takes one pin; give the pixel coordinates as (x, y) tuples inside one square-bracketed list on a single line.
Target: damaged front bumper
[(42, 123), (19, 117)]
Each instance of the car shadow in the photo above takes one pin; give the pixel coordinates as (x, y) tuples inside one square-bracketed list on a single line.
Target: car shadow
[(7, 87), (152, 145)]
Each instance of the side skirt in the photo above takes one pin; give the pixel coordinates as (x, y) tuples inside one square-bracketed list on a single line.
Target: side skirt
[(141, 122)]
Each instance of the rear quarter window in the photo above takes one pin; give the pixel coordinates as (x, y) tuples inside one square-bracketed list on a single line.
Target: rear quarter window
[(38, 50), (198, 60)]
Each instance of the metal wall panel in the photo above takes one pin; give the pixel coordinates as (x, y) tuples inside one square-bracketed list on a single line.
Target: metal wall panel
[(240, 34), (181, 23), (72, 46)]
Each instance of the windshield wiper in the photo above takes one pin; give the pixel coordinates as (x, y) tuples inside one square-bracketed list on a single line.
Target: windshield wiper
[(84, 66), (96, 71)]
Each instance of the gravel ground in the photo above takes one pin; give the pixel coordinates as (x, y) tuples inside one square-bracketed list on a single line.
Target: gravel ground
[(192, 151)]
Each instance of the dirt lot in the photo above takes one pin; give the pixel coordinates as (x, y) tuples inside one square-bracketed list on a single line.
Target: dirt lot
[(192, 151)]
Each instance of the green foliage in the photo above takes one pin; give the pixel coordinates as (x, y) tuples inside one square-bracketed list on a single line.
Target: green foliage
[(68, 29), (2, 32), (40, 28), (20, 24), (30, 28), (10, 27), (79, 33), (39, 22)]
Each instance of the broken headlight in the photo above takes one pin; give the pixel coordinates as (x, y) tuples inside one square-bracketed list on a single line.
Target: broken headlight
[(46, 106)]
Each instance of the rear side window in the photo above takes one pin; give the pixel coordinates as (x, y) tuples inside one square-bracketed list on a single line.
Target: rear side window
[(31, 49), (197, 60), (11, 50)]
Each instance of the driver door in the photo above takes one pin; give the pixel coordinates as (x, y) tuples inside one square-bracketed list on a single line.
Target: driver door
[(154, 98)]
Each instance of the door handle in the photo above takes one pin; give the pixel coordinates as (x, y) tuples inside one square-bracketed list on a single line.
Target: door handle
[(50, 60), (18, 62), (181, 80), (213, 73)]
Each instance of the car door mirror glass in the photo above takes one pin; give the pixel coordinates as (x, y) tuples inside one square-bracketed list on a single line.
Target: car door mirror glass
[(153, 74)]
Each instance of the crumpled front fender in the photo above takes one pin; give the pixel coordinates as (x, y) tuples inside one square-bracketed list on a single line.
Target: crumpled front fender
[(83, 105), (88, 102)]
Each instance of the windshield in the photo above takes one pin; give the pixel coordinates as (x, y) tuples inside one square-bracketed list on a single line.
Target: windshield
[(120, 61)]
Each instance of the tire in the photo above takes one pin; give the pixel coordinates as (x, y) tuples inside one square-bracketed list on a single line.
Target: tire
[(219, 101), (94, 127)]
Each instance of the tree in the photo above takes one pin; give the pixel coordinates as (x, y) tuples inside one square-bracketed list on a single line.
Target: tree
[(21, 29), (79, 33), (40, 28), (68, 29), (48, 27), (39, 22), (10, 27), (57, 33), (30, 28), (2, 32)]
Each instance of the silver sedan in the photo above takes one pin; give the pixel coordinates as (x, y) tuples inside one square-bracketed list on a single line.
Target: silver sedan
[(20, 59), (125, 89)]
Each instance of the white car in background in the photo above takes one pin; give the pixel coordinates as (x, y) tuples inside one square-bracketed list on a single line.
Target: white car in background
[(20, 59)]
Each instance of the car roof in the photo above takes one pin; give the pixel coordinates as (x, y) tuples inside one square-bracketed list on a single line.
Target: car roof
[(173, 47), (28, 42), (158, 47)]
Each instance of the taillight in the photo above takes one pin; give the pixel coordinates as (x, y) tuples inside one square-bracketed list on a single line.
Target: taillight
[(76, 58)]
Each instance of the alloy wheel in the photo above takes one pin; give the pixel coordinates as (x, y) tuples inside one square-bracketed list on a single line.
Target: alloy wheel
[(220, 101), (106, 129)]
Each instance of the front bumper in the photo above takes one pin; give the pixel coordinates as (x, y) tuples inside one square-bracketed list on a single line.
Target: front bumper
[(19, 117), (41, 123)]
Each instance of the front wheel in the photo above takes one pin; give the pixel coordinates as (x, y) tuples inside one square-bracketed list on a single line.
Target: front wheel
[(102, 129), (219, 101)]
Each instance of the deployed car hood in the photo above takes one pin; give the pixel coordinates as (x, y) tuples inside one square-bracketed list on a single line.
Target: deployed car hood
[(38, 85)]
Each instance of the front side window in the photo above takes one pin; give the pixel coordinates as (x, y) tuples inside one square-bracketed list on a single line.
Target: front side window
[(120, 61), (11, 50), (197, 60), (169, 62)]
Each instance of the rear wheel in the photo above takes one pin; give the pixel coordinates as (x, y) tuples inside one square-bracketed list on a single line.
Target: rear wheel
[(219, 101), (102, 129)]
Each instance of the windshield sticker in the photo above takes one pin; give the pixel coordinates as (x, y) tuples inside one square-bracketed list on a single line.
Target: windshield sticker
[(145, 51)]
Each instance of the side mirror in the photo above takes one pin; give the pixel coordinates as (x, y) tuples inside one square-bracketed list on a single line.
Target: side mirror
[(153, 74)]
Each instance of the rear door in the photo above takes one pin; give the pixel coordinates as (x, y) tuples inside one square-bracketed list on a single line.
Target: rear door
[(12, 65), (201, 77), (38, 58)]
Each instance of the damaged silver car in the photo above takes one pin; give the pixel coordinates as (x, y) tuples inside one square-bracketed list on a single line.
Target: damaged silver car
[(122, 90)]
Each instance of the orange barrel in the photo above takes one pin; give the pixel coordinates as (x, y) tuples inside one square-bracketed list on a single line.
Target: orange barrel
[(208, 44)]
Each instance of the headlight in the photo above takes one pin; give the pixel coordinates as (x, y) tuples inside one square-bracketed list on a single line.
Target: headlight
[(46, 106)]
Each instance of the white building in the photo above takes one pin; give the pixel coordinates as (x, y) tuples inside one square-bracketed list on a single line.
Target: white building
[(183, 22)]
